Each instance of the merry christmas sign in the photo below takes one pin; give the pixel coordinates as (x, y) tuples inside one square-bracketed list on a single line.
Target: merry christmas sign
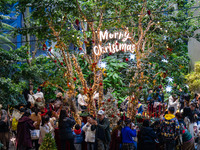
[(122, 45)]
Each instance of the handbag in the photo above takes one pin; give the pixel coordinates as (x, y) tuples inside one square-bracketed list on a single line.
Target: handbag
[(35, 134)]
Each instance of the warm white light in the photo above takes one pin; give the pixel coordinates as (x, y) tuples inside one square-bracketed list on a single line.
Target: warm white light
[(77, 37), (166, 31), (68, 27), (168, 88), (72, 35), (170, 79), (132, 56)]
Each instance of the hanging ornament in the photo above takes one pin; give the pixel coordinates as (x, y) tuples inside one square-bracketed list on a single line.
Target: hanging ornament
[(49, 49), (110, 53), (140, 87), (164, 56), (77, 22), (92, 41), (160, 86), (90, 90), (61, 63), (44, 45), (164, 75), (80, 48), (85, 42), (113, 116), (118, 114), (55, 61), (117, 43), (94, 65), (149, 12), (38, 90), (103, 103), (109, 100), (126, 59), (74, 78), (44, 48), (100, 84), (122, 50), (103, 109), (44, 83)]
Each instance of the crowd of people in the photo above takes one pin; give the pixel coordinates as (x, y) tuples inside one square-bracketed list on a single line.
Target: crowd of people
[(178, 128)]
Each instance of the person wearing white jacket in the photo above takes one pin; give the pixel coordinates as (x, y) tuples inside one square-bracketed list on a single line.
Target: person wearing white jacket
[(45, 128), (173, 102), (89, 134)]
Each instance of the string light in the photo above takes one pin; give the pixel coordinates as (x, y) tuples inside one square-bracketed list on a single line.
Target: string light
[(113, 18)]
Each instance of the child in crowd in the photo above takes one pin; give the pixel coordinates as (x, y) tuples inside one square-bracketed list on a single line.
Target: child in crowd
[(89, 133), (45, 128), (78, 137)]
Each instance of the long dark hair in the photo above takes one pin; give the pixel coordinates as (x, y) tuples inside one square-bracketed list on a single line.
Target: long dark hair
[(35, 110), (45, 119), (187, 112), (63, 115)]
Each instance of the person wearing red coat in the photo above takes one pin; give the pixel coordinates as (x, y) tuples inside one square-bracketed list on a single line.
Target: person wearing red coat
[(25, 124)]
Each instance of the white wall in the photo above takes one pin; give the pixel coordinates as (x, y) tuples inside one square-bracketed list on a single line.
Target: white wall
[(194, 45)]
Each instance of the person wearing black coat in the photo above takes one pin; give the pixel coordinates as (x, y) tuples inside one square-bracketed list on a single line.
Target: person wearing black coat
[(147, 137), (65, 129)]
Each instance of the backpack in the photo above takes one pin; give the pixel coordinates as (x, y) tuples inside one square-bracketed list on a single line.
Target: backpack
[(168, 129)]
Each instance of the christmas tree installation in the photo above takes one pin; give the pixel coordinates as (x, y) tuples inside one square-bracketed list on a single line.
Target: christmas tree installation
[(48, 143), (109, 106)]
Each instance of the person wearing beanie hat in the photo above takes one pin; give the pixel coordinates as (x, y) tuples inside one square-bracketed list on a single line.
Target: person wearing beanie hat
[(102, 126)]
